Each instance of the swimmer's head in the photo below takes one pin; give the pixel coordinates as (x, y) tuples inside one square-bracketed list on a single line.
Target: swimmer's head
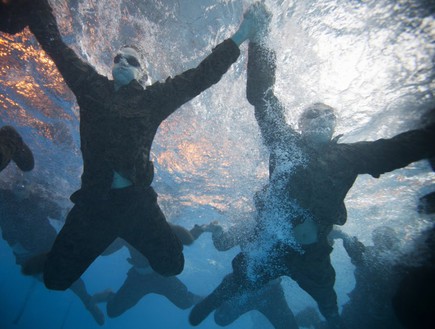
[(317, 123), (127, 66)]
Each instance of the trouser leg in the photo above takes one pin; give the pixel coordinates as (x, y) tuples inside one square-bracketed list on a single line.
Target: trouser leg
[(231, 310), (317, 278), (83, 238), (174, 290), (228, 288), (273, 305), (149, 233), (134, 288), (79, 288)]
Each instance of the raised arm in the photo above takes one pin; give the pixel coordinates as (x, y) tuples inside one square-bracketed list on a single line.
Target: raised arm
[(239, 234), (384, 155), (269, 112), (180, 89), (184, 87), (43, 25)]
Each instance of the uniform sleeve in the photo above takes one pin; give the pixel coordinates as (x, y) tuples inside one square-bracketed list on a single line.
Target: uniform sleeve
[(176, 91), (269, 112), (74, 71), (384, 155), (183, 234)]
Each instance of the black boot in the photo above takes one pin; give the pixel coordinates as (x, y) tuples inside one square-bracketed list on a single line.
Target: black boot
[(21, 153)]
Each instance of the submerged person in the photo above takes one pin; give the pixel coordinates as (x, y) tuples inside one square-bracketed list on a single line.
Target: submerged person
[(377, 274), (414, 300), (269, 300), (118, 122), (142, 280), (12, 147), (25, 226), (310, 175)]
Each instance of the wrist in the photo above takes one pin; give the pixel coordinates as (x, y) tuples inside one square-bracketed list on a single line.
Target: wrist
[(238, 38)]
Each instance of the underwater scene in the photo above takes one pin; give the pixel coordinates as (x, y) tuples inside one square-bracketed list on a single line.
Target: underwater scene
[(370, 61)]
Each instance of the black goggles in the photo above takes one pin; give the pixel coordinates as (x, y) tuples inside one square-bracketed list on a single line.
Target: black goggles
[(130, 60)]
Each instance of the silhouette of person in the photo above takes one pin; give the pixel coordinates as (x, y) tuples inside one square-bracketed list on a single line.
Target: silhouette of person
[(143, 280), (310, 174), (12, 147), (269, 300), (25, 214), (414, 300), (377, 273), (118, 122)]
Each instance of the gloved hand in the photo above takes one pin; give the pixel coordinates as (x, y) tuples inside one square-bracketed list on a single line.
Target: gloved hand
[(255, 24), (212, 227)]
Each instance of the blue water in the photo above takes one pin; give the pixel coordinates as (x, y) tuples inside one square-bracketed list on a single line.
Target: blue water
[(371, 60)]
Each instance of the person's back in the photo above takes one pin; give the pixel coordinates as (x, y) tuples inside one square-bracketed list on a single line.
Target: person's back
[(377, 273), (24, 222)]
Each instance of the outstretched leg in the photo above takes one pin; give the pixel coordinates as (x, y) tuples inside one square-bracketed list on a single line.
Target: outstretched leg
[(134, 288), (83, 238), (273, 305), (79, 289), (174, 290), (228, 288), (317, 277), (148, 232), (231, 310)]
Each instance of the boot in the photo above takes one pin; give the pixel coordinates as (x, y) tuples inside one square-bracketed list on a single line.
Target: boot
[(21, 153)]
